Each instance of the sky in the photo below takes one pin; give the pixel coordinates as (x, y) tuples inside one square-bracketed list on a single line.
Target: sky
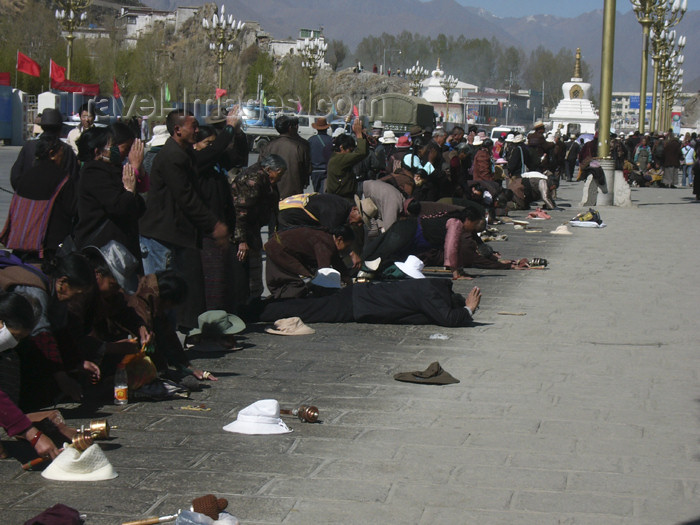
[(563, 8)]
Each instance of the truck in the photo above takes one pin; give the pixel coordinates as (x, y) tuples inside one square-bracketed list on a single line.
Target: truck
[(259, 124), (399, 112)]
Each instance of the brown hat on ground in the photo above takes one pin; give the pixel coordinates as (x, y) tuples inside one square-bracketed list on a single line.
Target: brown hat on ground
[(433, 375), (321, 123), (209, 505)]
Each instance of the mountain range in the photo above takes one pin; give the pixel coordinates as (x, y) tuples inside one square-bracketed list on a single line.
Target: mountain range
[(352, 21)]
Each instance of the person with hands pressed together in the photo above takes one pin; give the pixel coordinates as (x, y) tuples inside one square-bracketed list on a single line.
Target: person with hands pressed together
[(108, 205)]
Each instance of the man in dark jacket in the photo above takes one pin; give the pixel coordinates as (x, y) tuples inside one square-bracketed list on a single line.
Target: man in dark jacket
[(413, 301), (296, 154), (672, 159), (176, 217)]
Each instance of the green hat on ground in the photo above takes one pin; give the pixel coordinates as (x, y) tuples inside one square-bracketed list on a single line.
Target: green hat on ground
[(217, 323)]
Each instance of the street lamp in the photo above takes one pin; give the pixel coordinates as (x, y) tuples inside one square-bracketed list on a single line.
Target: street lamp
[(221, 32), (664, 15), (416, 74), (71, 14), (644, 9), (384, 59), (448, 85), (669, 52), (312, 53)]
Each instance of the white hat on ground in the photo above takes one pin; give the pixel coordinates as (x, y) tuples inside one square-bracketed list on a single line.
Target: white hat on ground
[(327, 278), (72, 465), (260, 418), (412, 266)]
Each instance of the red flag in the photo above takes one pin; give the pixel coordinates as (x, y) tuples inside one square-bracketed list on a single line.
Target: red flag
[(220, 93), (27, 65), (5, 79), (58, 79), (56, 72), (115, 90)]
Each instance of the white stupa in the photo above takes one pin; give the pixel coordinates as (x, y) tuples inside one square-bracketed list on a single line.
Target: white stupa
[(433, 92), (575, 112)]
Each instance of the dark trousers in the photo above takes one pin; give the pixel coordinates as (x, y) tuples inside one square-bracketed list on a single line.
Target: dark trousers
[(335, 308), (393, 245)]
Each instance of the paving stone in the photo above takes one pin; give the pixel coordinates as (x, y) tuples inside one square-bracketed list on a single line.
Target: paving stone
[(580, 502), (330, 489), (582, 412)]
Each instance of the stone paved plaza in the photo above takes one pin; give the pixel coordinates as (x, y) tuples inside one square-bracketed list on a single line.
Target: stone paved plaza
[(583, 411)]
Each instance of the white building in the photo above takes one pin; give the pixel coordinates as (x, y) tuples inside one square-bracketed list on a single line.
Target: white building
[(433, 92), (280, 49), (575, 112), (139, 20)]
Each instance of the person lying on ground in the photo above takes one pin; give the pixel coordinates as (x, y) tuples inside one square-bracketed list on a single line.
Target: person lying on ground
[(413, 301)]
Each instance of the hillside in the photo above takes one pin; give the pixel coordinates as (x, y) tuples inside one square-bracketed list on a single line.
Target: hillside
[(352, 21)]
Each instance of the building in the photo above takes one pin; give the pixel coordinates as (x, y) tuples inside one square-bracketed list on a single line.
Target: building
[(279, 49), (433, 92), (625, 108), (575, 112), (136, 21)]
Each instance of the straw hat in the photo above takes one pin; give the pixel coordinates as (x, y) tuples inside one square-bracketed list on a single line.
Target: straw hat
[(562, 230), (510, 137), (412, 266), (72, 465), (518, 138), (290, 326), (478, 141), (368, 209), (260, 418)]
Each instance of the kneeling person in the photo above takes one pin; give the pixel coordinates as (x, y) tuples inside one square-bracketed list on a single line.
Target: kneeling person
[(298, 253)]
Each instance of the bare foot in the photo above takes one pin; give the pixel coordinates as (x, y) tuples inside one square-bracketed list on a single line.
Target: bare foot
[(473, 299), (203, 374)]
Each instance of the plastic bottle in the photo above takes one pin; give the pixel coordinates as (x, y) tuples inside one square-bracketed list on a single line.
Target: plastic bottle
[(121, 386)]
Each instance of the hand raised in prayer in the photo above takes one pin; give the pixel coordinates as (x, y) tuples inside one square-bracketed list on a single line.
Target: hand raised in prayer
[(136, 154), (128, 178), (473, 299)]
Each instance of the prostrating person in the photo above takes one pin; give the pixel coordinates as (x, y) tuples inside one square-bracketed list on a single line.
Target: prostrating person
[(413, 301), (295, 254)]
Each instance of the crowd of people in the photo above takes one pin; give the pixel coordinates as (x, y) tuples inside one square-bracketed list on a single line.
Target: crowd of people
[(113, 244)]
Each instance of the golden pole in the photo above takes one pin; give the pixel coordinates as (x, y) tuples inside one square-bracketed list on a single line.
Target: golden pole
[(646, 23), (606, 78)]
